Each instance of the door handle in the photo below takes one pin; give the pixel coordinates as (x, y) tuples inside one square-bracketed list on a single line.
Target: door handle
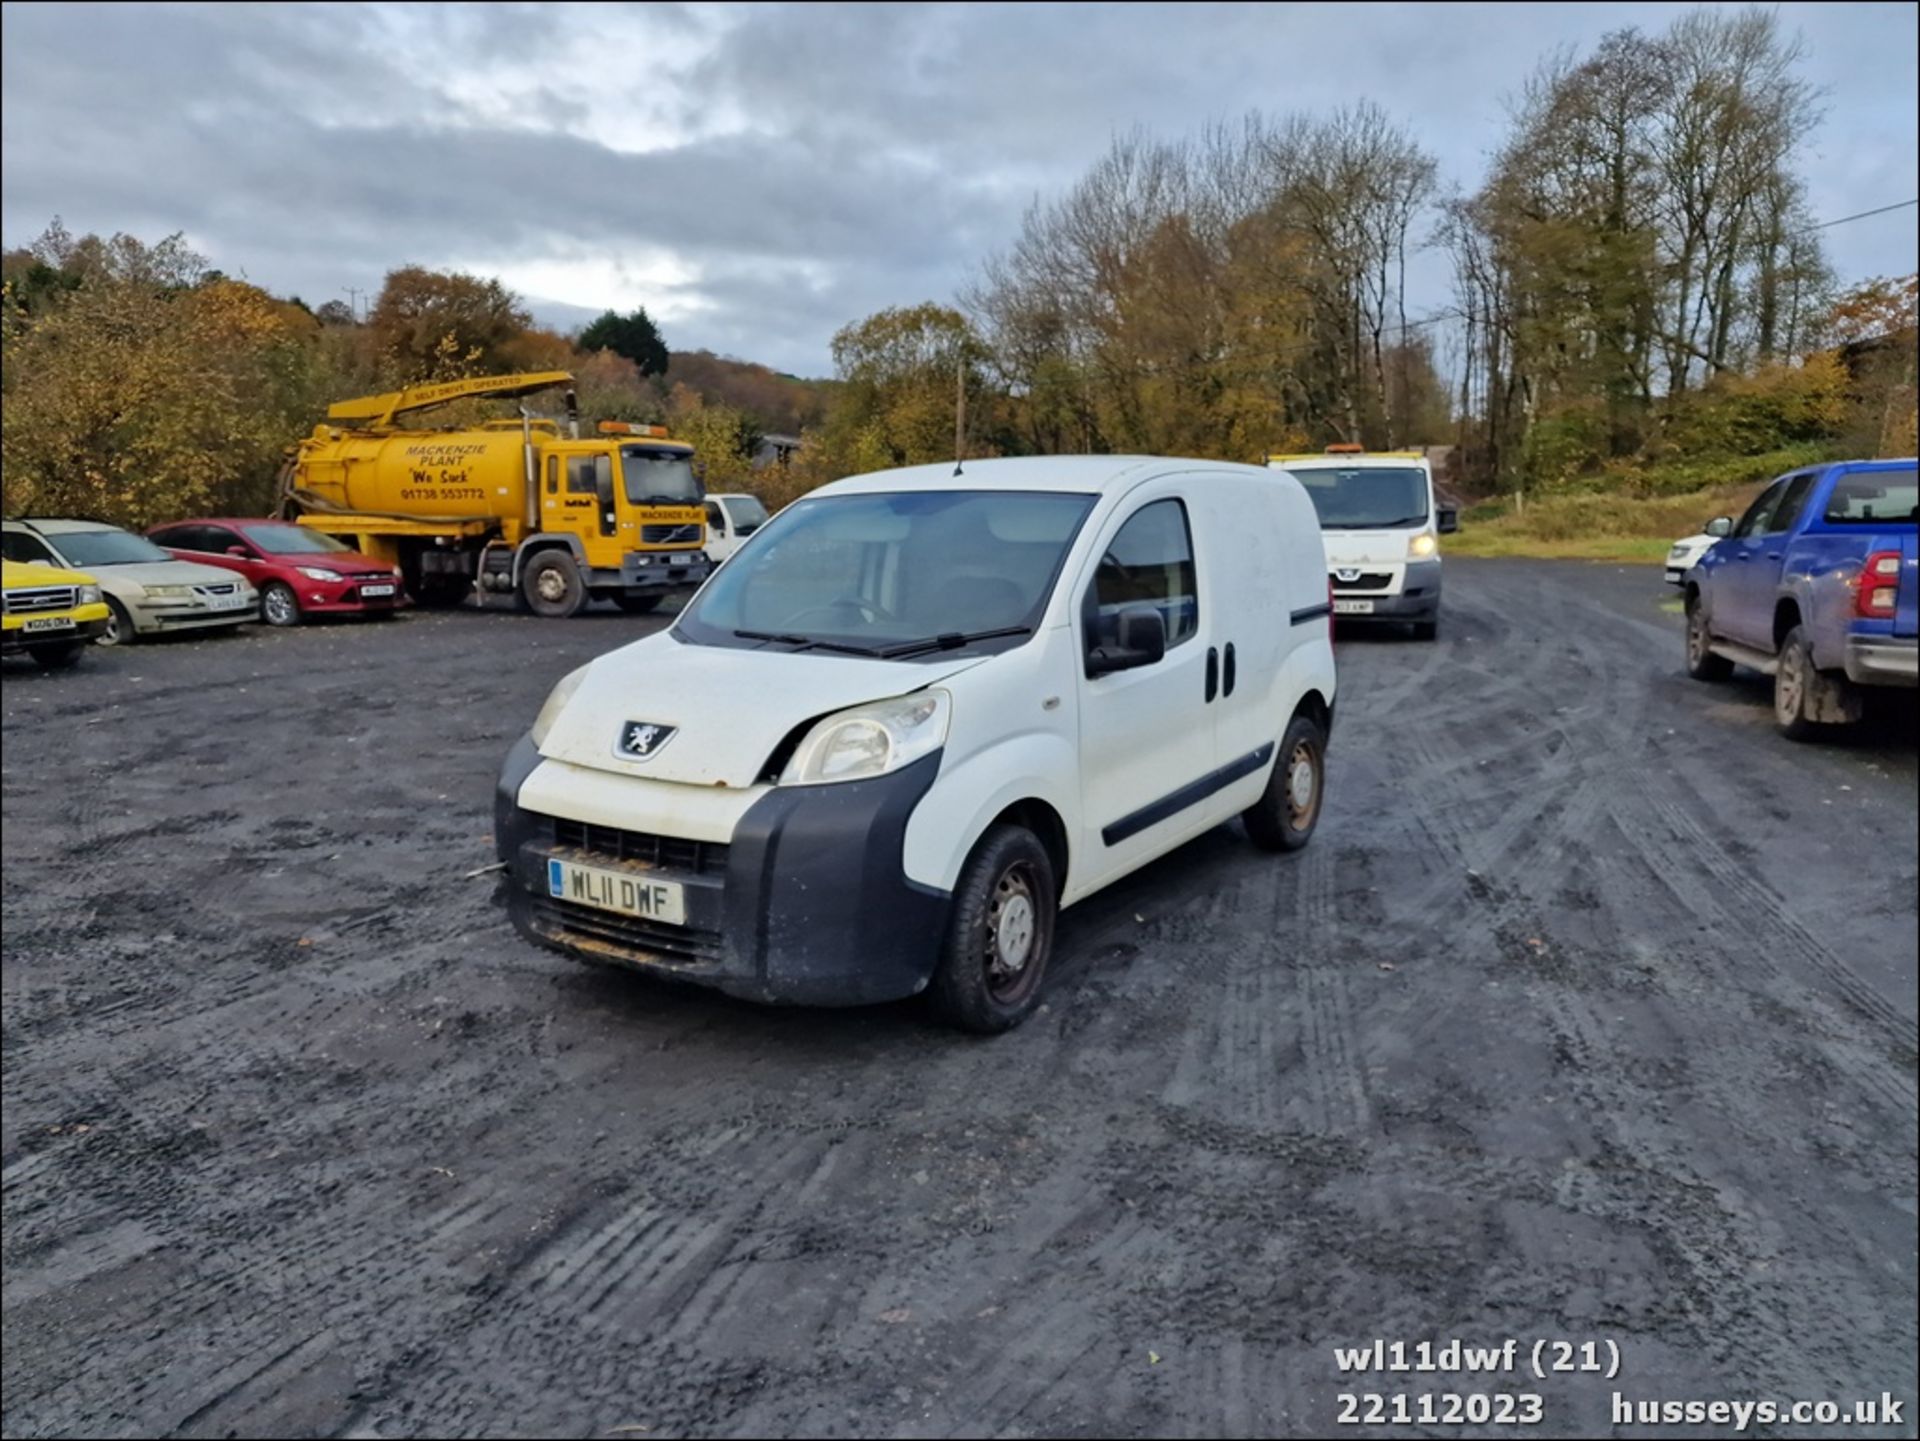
[(1773, 555), (1213, 674), (1226, 686)]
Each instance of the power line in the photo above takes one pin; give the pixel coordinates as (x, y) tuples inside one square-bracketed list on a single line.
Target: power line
[(1863, 215)]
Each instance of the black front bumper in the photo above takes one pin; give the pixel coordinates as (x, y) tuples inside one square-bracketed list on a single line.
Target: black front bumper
[(18, 641), (808, 904)]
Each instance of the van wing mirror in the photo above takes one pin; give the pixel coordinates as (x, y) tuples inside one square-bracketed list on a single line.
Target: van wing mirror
[(1449, 520), (1719, 526), (1141, 639)]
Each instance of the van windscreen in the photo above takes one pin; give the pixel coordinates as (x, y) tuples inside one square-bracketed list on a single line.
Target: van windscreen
[(887, 573), (1366, 497)]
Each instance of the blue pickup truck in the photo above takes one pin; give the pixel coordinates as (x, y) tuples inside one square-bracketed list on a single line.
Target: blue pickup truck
[(1814, 586)]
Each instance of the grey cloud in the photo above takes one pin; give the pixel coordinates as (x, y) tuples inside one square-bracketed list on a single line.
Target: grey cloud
[(886, 148)]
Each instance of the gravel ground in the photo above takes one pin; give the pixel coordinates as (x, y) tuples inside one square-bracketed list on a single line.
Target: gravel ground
[(1589, 1015)]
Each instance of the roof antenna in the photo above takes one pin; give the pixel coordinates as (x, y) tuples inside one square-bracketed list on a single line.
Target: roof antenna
[(959, 408)]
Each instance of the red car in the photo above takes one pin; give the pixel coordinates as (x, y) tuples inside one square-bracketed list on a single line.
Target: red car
[(298, 572)]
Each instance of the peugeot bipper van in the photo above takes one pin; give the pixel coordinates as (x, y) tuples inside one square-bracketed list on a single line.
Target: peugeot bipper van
[(1382, 526), (916, 714)]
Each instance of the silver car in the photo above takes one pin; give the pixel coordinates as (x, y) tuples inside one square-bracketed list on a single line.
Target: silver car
[(147, 591)]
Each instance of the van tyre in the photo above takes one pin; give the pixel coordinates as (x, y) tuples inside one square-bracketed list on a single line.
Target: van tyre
[(999, 934), (278, 607), (119, 629), (552, 586), (1284, 817), (1702, 663)]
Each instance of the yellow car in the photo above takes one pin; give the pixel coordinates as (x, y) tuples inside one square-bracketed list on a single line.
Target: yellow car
[(51, 614)]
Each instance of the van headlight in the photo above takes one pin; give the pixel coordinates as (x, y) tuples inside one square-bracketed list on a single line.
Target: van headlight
[(88, 595), (870, 740), (1421, 545), (556, 702)]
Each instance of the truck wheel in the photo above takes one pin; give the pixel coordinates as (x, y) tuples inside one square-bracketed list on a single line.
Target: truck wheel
[(1284, 817), (1806, 702), (59, 657), (278, 607), (1000, 935), (552, 585), (1702, 663), (119, 629), (637, 604)]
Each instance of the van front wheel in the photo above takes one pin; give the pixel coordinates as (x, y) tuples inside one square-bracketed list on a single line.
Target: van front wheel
[(1284, 817), (1000, 936)]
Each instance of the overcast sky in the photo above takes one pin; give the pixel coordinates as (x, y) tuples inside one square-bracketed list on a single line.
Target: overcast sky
[(758, 175)]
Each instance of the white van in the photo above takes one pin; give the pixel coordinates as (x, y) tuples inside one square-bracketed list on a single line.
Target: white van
[(732, 516), (919, 712), (1382, 528)]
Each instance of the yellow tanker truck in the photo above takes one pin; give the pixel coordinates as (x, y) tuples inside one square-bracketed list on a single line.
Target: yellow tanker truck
[(513, 506)]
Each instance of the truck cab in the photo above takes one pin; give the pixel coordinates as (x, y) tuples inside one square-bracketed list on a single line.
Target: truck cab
[(732, 516), (1815, 586), (1381, 523)]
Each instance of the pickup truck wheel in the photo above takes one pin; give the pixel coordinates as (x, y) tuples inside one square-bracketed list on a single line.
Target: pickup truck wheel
[(552, 585), (59, 657), (1702, 663), (1000, 934), (1806, 702), (1285, 815)]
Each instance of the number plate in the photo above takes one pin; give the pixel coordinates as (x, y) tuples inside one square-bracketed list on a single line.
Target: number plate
[(627, 892), (48, 622), (375, 590), (225, 602), (1353, 607)]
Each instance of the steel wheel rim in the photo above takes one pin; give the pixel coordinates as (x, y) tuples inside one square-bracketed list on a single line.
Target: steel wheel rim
[(551, 585), (1012, 935), (1303, 784), (1696, 636), (279, 607), (111, 635)]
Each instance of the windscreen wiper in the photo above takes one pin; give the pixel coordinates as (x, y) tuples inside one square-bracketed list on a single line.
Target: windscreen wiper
[(952, 640), (807, 642)]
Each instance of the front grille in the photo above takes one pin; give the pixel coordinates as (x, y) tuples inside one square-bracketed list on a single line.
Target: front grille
[(675, 945), (670, 534), (218, 588), (44, 597), (1367, 580), (668, 852)]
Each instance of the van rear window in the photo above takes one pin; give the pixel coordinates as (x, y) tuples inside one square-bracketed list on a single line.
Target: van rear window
[(1874, 497)]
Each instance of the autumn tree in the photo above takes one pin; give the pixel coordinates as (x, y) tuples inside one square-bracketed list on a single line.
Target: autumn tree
[(439, 325), (900, 374)]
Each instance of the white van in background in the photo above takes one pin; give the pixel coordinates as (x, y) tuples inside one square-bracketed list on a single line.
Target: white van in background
[(731, 517), (1382, 525), (919, 714)]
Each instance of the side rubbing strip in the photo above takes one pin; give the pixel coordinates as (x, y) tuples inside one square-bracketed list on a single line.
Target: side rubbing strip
[(1187, 795), (1312, 612)]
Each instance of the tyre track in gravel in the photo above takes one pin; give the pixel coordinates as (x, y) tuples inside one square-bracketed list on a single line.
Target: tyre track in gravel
[(417, 1178)]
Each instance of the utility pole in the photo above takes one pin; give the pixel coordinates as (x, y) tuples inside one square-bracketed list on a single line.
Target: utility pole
[(959, 410), (353, 300)]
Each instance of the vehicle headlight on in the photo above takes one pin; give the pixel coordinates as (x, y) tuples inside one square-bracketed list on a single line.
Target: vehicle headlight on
[(315, 572), (166, 592), (1422, 544), (870, 740), (87, 595), (556, 702)]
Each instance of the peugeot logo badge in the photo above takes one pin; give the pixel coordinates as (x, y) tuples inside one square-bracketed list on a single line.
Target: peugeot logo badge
[(641, 740), (1346, 577)]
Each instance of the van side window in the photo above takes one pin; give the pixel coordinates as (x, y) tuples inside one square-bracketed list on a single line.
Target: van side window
[(715, 520), (1149, 562)]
